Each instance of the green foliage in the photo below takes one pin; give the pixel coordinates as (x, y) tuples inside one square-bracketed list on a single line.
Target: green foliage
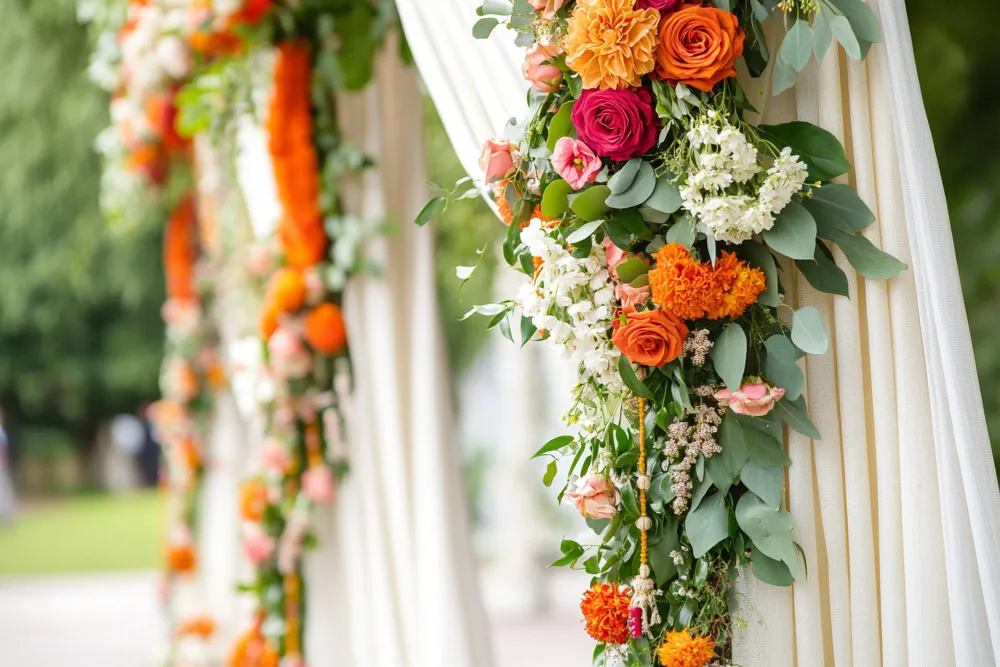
[(80, 334)]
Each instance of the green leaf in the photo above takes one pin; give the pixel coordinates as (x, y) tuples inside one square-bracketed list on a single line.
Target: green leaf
[(682, 232), (631, 269), (797, 48), (553, 445), (867, 260), (759, 257), (765, 482), (770, 571), (844, 33), (729, 356), (770, 529), (624, 177), (783, 78), (631, 380), (794, 232), (659, 553), (724, 468), (808, 332), (589, 204), (528, 330), (862, 20), (823, 273), (760, 11), (570, 548), (560, 126), (819, 149), (780, 367), (638, 191), (430, 209), (764, 450), (699, 493), (666, 197), (497, 7), (845, 202), (505, 329), (584, 231), (630, 503), (822, 33), (632, 221), (483, 27), (550, 473), (617, 232), (795, 414), (555, 198), (708, 525)]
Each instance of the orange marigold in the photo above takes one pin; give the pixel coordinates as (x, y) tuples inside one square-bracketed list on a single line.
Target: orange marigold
[(180, 251), (605, 608), (611, 44), (181, 558), (286, 291), (253, 499), (743, 292), (197, 626), (681, 649), (325, 329), (679, 283), (253, 649)]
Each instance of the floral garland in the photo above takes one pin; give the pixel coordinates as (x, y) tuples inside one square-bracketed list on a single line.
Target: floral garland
[(319, 48), (651, 218)]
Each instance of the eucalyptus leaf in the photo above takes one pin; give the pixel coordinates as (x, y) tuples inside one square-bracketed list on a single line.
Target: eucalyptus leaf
[(846, 203), (867, 260), (795, 414), (862, 20), (708, 525), (764, 450), (682, 231), (638, 191), (820, 150), (794, 232), (760, 257), (760, 11), (823, 273), (700, 492), (497, 7), (724, 467), (729, 355), (822, 33), (660, 559), (783, 77), (586, 230), (624, 177), (780, 365), (770, 571), (666, 197), (483, 27), (765, 482), (797, 47), (808, 331), (589, 204), (769, 529), (842, 30), (560, 126)]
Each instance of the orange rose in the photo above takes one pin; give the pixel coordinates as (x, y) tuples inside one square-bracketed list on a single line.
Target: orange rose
[(650, 338), (181, 558), (286, 291), (253, 499), (699, 47), (325, 329)]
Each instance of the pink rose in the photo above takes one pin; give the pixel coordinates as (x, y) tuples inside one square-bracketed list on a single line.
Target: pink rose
[(752, 400), (547, 8), (317, 483), (315, 289), (538, 70), (662, 5), (614, 256), (288, 355), (496, 160), (182, 315), (595, 497), (630, 297), (257, 545), (260, 261), (616, 124), (275, 455), (576, 163)]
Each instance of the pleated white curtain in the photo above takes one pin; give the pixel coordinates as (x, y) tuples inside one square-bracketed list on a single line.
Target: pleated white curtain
[(897, 507)]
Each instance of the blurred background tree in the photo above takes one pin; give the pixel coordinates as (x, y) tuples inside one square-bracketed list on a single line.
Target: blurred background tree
[(80, 333)]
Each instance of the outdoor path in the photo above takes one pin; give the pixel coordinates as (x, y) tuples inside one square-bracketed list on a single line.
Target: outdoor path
[(113, 620)]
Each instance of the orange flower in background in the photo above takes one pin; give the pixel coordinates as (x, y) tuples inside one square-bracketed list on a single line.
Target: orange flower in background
[(190, 452), (161, 112), (610, 44), (253, 649), (650, 337), (268, 322), (681, 649), (181, 558), (197, 626), (304, 246), (253, 499), (180, 251), (698, 46), (605, 609), (680, 283), (286, 291), (325, 329)]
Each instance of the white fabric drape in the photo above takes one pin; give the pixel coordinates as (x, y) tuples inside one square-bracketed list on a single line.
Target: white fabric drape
[(897, 507)]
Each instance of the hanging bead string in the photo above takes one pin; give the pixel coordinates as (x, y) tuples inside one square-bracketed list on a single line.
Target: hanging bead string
[(643, 611)]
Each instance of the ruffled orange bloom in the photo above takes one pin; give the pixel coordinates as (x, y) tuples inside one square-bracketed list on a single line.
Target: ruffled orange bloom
[(605, 608), (286, 291), (651, 337), (253, 499), (197, 626), (190, 452), (698, 46), (611, 44), (692, 290), (180, 251), (181, 558), (681, 649), (325, 329), (253, 649)]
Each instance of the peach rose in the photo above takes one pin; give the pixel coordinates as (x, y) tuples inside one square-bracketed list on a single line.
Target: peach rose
[(547, 8), (275, 455), (318, 483), (613, 255), (650, 338), (595, 497), (538, 70), (752, 399), (630, 297), (257, 545), (289, 356), (698, 47), (496, 160)]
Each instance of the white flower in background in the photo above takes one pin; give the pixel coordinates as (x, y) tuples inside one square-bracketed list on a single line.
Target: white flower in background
[(154, 53), (724, 189)]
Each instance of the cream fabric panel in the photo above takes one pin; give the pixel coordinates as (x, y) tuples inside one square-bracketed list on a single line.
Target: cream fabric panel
[(393, 581)]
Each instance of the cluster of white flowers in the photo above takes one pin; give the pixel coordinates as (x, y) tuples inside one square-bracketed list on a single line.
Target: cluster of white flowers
[(727, 194), (154, 53), (573, 300)]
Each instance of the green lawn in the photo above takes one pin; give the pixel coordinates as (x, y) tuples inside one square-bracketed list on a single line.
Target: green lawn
[(85, 534)]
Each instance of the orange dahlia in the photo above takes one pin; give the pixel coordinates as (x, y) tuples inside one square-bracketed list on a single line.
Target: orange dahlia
[(611, 44), (680, 649), (605, 608), (680, 283), (325, 329)]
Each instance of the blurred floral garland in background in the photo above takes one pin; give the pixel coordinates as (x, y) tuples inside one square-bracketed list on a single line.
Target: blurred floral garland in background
[(651, 219)]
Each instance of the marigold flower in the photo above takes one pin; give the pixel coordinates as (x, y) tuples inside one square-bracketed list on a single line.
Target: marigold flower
[(181, 558), (286, 291), (610, 44), (679, 283), (253, 499), (605, 608), (253, 649), (180, 251), (744, 290), (681, 649), (325, 329), (197, 626)]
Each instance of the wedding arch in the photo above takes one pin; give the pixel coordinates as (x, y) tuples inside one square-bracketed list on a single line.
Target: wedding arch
[(884, 470)]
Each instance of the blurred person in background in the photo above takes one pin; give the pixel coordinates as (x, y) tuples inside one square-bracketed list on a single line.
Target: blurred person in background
[(6, 484), (149, 452)]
